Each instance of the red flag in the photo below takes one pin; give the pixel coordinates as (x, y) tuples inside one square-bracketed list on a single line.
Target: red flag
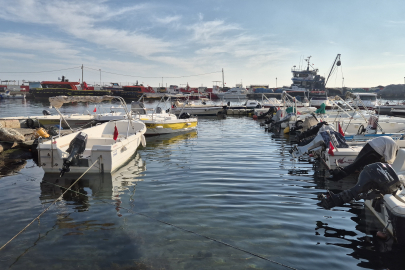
[(330, 152), (341, 130), (95, 109), (115, 133)]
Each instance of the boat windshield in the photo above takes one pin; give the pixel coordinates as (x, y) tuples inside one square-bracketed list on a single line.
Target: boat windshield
[(371, 97)]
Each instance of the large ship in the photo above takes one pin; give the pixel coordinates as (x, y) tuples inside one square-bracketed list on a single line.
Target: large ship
[(306, 80), (65, 88)]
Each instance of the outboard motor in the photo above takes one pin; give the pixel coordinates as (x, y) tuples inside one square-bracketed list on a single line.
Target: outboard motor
[(76, 148), (379, 178), (138, 107), (184, 115), (46, 112)]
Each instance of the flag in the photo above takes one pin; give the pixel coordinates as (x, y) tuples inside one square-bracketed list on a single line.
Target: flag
[(95, 109), (341, 130), (115, 133), (330, 152)]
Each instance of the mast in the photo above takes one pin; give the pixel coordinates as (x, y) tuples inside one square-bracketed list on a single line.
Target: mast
[(82, 74)]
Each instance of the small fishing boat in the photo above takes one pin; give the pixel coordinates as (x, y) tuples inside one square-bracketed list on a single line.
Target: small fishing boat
[(109, 144)]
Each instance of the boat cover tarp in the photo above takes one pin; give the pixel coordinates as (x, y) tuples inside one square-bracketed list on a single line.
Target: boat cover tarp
[(290, 110), (308, 123), (58, 101), (321, 110)]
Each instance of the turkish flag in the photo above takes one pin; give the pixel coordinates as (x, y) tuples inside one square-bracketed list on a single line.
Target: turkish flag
[(95, 109), (341, 130), (115, 133), (330, 152)]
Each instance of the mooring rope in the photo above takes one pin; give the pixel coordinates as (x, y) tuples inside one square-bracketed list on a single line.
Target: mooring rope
[(60, 197), (180, 228)]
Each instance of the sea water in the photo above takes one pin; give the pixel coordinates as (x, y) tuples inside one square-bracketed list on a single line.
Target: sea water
[(220, 197)]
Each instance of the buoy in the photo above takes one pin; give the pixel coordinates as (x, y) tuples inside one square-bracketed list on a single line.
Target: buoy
[(286, 130), (255, 117), (41, 133)]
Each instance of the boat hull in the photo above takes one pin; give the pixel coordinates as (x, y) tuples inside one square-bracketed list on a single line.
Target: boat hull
[(390, 211), (159, 128), (202, 111)]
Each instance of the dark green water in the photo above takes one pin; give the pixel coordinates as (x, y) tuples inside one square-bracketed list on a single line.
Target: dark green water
[(228, 181)]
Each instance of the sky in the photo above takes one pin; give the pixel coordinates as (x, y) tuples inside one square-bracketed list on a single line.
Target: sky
[(190, 42)]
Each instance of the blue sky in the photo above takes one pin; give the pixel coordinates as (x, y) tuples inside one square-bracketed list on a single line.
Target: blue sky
[(255, 42)]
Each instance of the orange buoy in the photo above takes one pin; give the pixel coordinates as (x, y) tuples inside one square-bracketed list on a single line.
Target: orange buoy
[(255, 116)]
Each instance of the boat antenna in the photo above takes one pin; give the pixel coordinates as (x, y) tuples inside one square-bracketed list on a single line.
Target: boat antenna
[(223, 85), (335, 64)]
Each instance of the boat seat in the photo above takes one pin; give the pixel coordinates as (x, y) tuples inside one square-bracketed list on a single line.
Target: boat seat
[(399, 163)]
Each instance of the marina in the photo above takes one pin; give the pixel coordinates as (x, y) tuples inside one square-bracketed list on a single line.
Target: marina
[(207, 198)]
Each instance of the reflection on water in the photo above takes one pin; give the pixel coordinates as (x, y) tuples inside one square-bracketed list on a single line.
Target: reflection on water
[(168, 139), (10, 167)]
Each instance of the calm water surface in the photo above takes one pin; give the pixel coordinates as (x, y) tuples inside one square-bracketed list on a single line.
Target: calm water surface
[(228, 180)]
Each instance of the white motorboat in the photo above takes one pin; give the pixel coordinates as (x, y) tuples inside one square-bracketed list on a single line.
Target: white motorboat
[(109, 144), (197, 109), (382, 187), (160, 122), (234, 93), (76, 152)]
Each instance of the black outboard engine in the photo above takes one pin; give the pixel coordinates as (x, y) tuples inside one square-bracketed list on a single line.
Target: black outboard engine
[(76, 148), (379, 178), (312, 131), (46, 112), (184, 115)]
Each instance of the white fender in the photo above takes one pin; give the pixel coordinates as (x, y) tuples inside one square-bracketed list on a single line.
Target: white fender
[(143, 140)]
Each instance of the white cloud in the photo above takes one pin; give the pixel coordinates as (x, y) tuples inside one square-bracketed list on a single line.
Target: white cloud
[(36, 44), (168, 19)]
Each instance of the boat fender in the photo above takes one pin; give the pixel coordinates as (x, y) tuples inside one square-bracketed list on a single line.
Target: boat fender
[(255, 117), (41, 132), (286, 130), (143, 140)]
